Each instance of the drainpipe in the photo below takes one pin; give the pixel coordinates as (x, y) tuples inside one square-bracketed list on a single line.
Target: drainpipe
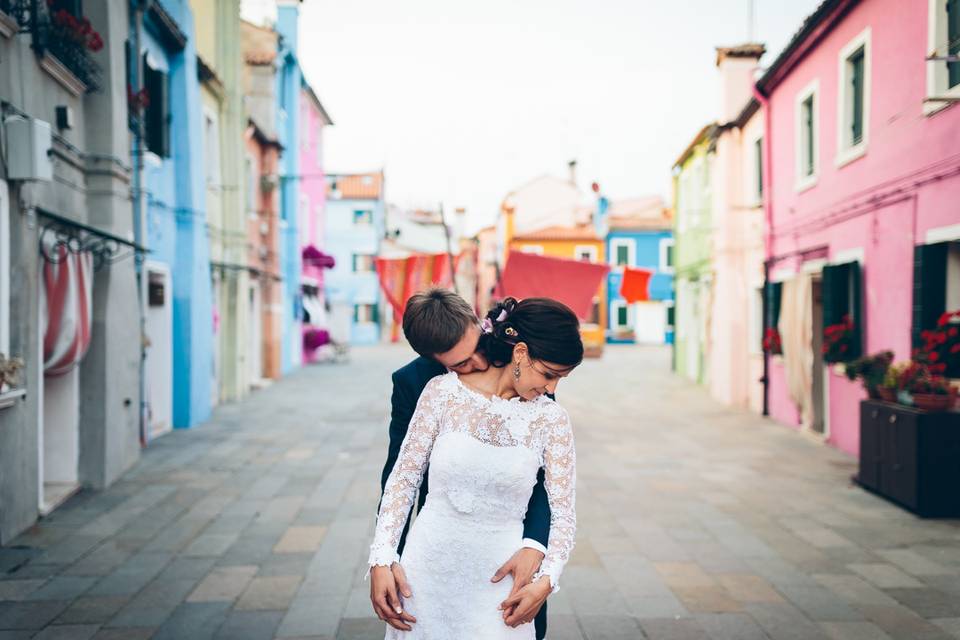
[(139, 210), (767, 226)]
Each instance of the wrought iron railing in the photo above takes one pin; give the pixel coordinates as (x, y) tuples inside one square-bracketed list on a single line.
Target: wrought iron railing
[(63, 34)]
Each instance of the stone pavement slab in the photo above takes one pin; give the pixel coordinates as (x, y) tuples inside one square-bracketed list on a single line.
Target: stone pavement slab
[(695, 522)]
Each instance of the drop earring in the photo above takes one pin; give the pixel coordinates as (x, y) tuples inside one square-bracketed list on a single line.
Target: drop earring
[(516, 372)]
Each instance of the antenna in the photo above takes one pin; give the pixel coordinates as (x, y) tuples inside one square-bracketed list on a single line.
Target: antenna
[(751, 19)]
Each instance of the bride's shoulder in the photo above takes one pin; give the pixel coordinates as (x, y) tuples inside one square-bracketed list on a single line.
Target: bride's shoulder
[(552, 410)]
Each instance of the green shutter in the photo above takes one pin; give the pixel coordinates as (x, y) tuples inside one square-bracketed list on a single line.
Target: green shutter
[(356, 313), (856, 308), (808, 135), (953, 41), (375, 313), (772, 292), (841, 289), (758, 151), (622, 319), (929, 286), (856, 81), (623, 255)]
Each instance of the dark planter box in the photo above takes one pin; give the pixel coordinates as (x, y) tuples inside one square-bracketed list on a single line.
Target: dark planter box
[(911, 457)]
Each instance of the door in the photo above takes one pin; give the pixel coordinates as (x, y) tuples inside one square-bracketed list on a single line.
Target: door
[(255, 337), (650, 322), (158, 366), (818, 375)]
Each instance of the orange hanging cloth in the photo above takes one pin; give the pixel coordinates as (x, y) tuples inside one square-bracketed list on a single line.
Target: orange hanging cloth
[(636, 285)]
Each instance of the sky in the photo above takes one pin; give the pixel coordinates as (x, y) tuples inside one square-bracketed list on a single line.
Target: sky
[(461, 102)]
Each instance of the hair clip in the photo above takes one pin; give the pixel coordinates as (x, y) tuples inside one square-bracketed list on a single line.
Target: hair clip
[(510, 331)]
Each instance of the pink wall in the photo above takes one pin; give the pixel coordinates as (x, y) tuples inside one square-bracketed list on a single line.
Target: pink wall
[(312, 182), (882, 203)]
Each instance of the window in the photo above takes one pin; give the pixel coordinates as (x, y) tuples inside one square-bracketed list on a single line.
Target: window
[(211, 142), (532, 248), (620, 312), (936, 286), (773, 292), (363, 217), (622, 250), (807, 146), (156, 115), (758, 170), (853, 99), (671, 314), (594, 318), (841, 297), (585, 252), (666, 255), (943, 43), (365, 313), (953, 42), (362, 263)]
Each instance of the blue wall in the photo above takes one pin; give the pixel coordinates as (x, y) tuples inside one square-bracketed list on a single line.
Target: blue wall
[(176, 222), (646, 252), (289, 80), (344, 239)]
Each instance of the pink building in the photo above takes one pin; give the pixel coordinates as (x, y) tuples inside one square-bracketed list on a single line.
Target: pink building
[(862, 195), (310, 226)]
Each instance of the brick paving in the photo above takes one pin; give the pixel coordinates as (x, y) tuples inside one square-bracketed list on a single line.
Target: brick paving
[(696, 522)]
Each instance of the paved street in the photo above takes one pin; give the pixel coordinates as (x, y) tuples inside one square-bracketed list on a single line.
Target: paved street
[(695, 522)]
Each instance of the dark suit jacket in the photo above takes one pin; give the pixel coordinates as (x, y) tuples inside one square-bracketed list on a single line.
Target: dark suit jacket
[(408, 384)]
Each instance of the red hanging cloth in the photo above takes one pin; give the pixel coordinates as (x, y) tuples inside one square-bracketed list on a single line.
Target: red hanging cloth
[(635, 286), (572, 282), (66, 309)]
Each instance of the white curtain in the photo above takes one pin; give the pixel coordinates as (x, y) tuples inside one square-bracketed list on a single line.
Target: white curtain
[(796, 335)]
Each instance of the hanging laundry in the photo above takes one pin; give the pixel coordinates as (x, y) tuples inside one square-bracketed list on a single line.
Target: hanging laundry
[(635, 286), (572, 282)]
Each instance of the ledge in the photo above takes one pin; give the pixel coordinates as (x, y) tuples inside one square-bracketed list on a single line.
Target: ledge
[(9, 398), (64, 76)]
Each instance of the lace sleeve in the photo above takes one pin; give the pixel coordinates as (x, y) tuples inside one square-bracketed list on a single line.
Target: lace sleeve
[(401, 488), (560, 466)]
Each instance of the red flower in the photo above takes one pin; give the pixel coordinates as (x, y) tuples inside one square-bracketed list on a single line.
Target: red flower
[(955, 348), (944, 318), (933, 356)]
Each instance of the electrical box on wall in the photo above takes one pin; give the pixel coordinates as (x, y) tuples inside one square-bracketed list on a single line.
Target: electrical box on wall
[(28, 148)]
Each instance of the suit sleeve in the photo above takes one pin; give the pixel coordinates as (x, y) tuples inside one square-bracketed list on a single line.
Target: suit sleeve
[(536, 525), (402, 405)]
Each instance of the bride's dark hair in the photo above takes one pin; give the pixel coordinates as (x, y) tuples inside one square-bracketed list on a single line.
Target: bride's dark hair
[(549, 328)]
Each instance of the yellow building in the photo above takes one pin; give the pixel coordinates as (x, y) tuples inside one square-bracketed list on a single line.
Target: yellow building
[(573, 243)]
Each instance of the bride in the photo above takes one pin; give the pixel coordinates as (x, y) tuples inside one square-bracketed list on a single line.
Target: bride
[(485, 436)]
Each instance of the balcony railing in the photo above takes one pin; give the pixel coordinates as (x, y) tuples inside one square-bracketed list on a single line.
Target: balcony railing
[(60, 33)]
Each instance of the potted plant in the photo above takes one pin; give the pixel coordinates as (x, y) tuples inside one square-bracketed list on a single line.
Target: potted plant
[(933, 393), (870, 370), (838, 340), (941, 346), (9, 371), (771, 341)]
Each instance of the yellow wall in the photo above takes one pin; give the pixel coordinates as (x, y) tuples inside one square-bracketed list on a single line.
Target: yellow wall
[(594, 336)]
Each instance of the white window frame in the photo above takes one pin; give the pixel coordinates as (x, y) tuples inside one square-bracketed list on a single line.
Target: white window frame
[(211, 139), (803, 182), (936, 69), (585, 248), (754, 188), (535, 249), (615, 306), (631, 246), (4, 269), (664, 243), (846, 151)]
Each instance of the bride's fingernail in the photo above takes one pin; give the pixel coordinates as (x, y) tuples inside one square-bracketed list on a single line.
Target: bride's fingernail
[(399, 610)]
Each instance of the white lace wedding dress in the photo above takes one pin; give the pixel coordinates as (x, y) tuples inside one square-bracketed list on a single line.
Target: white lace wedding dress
[(484, 455)]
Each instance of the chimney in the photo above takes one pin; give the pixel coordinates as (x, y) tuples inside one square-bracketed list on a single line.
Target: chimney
[(572, 165), (736, 66)]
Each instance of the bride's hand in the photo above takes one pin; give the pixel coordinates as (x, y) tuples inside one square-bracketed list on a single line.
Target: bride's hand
[(384, 582), (522, 607), (521, 565)]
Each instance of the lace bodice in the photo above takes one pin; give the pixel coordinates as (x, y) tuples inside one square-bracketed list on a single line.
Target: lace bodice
[(484, 454)]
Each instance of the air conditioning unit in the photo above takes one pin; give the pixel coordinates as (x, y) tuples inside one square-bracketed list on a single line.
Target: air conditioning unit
[(28, 148)]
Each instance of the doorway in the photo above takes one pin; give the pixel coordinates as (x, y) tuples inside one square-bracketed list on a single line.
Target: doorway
[(255, 337), (818, 375), (159, 358)]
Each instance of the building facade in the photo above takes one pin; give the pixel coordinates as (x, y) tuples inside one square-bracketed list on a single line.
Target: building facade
[(693, 229), (66, 259), (862, 187), (355, 227), (736, 358), (639, 235)]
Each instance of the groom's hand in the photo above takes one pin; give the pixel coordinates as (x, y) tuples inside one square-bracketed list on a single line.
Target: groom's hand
[(384, 583), (521, 565), (523, 606)]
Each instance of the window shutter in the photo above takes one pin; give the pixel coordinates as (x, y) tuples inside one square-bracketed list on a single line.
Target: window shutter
[(163, 114), (929, 286), (772, 292), (854, 280), (953, 41), (375, 313), (856, 120), (356, 313)]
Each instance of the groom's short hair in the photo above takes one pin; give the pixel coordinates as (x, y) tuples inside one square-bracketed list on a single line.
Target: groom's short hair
[(435, 321)]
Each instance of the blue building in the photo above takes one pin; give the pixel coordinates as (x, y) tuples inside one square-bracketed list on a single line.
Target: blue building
[(289, 81), (171, 190), (355, 224), (639, 235)]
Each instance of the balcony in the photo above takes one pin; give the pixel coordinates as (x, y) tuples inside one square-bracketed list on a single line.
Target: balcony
[(63, 40)]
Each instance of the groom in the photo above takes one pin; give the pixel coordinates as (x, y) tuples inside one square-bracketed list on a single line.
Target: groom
[(443, 329)]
